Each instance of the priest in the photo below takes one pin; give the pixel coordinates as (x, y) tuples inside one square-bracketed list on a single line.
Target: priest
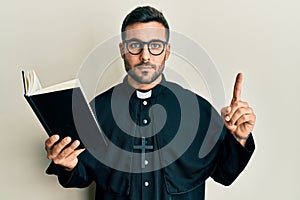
[(164, 140)]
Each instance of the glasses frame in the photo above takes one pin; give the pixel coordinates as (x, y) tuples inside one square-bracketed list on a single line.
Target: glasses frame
[(143, 44)]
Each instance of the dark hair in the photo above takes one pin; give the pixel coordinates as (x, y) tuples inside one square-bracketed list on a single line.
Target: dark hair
[(144, 14)]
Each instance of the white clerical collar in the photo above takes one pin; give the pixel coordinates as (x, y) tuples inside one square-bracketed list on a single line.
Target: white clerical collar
[(143, 95)]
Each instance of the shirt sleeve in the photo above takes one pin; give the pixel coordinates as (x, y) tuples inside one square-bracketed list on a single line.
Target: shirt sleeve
[(232, 159), (78, 177)]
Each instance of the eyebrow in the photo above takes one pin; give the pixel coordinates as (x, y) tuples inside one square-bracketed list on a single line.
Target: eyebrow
[(144, 41)]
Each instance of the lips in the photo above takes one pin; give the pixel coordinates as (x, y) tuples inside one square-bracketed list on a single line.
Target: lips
[(145, 66)]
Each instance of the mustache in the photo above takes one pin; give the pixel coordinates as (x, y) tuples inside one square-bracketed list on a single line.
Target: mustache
[(145, 65)]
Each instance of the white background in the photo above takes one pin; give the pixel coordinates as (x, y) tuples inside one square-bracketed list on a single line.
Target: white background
[(259, 38)]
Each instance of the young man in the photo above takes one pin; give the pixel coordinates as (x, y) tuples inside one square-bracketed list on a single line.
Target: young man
[(144, 115)]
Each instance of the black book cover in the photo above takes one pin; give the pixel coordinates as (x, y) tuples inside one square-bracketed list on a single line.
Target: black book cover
[(66, 113)]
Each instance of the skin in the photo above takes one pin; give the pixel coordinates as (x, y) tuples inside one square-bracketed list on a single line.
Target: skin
[(145, 72), (238, 117)]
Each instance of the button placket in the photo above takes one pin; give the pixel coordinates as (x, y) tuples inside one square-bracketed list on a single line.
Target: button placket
[(144, 106)]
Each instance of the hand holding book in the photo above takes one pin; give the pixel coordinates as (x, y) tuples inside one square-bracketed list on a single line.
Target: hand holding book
[(62, 109), (63, 153)]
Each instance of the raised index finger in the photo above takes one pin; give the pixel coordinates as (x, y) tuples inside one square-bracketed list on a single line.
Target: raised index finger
[(237, 90)]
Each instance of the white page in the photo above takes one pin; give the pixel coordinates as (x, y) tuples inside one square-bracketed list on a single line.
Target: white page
[(33, 86)]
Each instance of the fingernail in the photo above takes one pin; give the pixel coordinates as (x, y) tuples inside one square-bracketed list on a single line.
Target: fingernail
[(76, 142), (227, 118), (56, 137)]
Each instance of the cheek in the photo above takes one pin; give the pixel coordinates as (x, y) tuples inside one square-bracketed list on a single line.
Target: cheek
[(131, 59), (159, 59)]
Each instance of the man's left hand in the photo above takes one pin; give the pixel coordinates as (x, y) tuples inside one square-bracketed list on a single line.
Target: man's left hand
[(238, 117)]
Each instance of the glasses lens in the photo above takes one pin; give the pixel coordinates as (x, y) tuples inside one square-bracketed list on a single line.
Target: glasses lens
[(156, 47), (134, 46)]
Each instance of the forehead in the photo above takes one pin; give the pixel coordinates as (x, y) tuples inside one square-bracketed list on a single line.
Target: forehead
[(146, 31)]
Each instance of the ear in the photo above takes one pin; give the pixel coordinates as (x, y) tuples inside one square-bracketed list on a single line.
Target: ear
[(168, 52), (122, 49)]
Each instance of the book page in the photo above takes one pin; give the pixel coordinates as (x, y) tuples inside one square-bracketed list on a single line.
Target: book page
[(33, 85), (61, 86)]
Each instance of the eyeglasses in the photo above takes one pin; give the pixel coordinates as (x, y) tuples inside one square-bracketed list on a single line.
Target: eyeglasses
[(135, 46)]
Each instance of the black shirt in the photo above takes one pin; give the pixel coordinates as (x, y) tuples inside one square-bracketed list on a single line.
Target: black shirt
[(185, 143)]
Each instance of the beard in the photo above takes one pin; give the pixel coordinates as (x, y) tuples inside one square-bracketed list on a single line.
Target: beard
[(147, 76)]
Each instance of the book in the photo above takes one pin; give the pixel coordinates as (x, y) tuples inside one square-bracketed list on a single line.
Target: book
[(62, 109)]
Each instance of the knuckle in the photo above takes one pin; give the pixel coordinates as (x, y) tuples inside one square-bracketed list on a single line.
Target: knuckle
[(57, 161), (245, 118), (246, 104), (49, 156), (63, 153), (243, 104), (48, 144), (55, 149), (239, 111), (73, 156), (250, 109), (66, 152), (236, 104)]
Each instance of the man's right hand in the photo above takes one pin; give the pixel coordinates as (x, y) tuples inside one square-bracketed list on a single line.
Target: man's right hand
[(62, 155)]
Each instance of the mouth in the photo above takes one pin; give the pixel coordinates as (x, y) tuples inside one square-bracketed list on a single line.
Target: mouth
[(145, 67)]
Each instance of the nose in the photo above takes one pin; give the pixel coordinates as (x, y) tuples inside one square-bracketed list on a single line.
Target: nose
[(145, 54)]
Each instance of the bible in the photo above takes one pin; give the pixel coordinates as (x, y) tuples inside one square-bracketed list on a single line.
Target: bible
[(62, 109)]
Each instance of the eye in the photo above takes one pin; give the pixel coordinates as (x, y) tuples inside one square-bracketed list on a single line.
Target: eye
[(134, 45), (155, 45)]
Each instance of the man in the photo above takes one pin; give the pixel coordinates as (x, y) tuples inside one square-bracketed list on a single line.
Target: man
[(177, 172)]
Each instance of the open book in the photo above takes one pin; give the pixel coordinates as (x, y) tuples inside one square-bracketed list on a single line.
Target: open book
[(62, 109)]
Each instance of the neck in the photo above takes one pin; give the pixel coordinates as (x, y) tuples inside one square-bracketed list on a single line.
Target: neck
[(141, 86)]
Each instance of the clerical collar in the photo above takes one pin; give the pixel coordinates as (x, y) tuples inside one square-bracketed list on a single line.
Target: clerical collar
[(144, 94), (154, 92)]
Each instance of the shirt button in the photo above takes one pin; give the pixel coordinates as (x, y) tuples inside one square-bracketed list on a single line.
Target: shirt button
[(146, 183), (145, 121), (146, 162), (145, 103)]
